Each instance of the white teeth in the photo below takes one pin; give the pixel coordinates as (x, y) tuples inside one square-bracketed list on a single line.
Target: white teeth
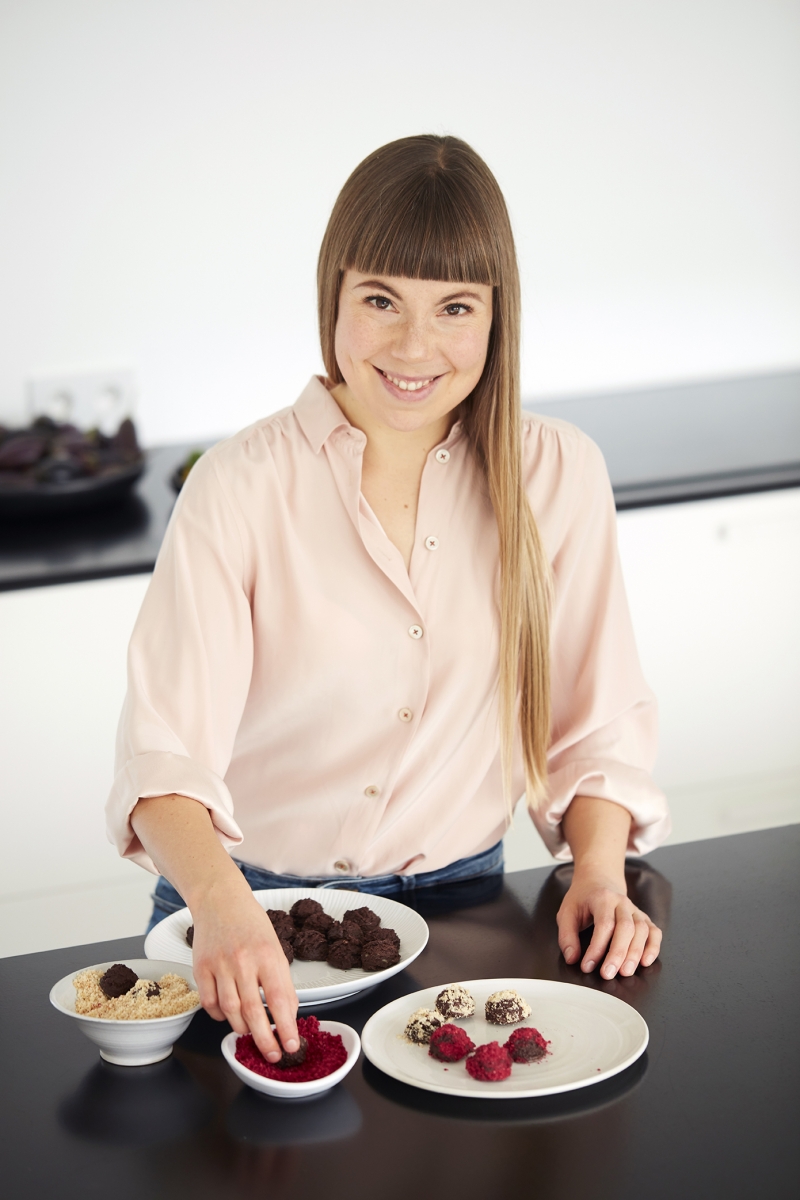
[(405, 385)]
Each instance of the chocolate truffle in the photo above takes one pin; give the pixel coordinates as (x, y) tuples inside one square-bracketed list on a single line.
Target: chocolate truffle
[(455, 1002), (421, 1025), (301, 910), (319, 921), (190, 936), (286, 947), (527, 1045), (153, 990), (335, 931), (344, 954), (292, 1060), (378, 955), (490, 1063), (282, 923), (353, 931), (382, 935), (311, 946), (450, 1043), (117, 980), (364, 917), (506, 1008)]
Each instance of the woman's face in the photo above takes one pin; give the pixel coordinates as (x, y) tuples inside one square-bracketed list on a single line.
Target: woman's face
[(410, 350)]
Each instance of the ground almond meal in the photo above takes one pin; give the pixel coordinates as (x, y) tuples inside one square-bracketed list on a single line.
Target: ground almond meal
[(147, 998)]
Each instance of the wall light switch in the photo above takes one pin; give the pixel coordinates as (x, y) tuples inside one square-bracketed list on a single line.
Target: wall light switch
[(91, 400)]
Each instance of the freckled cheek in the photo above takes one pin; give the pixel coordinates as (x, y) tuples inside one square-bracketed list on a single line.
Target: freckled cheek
[(468, 352), (357, 340)]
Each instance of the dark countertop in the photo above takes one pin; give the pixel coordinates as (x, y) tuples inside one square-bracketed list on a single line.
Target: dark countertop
[(662, 446), (710, 1111)]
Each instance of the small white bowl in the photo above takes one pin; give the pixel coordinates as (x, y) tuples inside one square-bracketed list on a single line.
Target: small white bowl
[(128, 1043), (296, 1091)]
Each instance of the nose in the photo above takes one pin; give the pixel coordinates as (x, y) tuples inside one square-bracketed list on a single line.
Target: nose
[(414, 341)]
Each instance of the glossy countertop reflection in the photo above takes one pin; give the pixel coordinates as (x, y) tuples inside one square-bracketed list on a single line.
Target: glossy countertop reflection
[(711, 1109)]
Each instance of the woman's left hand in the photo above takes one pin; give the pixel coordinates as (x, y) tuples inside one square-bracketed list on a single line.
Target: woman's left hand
[(622, 932)]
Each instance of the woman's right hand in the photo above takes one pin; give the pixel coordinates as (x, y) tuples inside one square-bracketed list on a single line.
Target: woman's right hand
[(235, 950)]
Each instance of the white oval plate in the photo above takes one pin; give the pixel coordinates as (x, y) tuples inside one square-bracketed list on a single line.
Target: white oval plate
[(592, 1037), (314, 982)]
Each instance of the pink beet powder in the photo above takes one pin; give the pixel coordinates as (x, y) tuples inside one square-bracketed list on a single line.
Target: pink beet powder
[(325, 1054)]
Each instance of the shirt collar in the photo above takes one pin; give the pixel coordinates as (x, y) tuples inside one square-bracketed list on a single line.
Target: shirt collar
[(318, 413)]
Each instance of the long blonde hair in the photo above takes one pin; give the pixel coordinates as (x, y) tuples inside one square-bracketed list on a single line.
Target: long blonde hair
[(428, 207)]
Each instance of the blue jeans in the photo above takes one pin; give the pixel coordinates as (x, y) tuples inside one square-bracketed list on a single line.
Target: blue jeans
[(488, 863)]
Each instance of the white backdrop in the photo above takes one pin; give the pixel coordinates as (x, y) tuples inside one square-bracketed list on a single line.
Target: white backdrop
[(167, 168)]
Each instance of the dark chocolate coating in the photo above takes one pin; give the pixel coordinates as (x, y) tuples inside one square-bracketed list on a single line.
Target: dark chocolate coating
[(190, 936), (301, 910), (117, 980), (364, 917), (282, 923), (153, 991), (293, 1060), (377, 956), (319, 921), (382, 934), (311, 946), (344, 954), (335, 931), (286, 947), (352, 931)]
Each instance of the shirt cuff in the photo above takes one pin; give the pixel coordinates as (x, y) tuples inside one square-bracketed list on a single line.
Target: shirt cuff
[(630, 787), (161, 773)]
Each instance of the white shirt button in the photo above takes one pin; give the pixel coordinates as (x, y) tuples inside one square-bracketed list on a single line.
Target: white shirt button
[(431, 543), (415, 631), (342, 865), (371, 792), (443, 455), (405, 714)]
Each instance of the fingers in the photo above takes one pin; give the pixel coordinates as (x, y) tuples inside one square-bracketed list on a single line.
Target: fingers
[(652, 946), (568, 931), (604, 927)]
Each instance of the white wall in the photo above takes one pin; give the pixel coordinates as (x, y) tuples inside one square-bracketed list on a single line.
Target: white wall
[(167, 167)]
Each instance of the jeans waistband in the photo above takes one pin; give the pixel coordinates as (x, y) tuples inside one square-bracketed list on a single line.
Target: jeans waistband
[(487, 862)]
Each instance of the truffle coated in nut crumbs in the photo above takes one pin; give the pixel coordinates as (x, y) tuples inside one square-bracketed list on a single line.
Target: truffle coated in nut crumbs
[(490, 1063), (455, 1002), (421, 1024), (117, 980), (450, 1043), (506, 1007), (148, 998), (311, 946)]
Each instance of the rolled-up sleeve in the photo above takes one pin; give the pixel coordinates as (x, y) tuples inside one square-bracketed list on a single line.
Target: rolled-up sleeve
[(189, 667), (604, 727)]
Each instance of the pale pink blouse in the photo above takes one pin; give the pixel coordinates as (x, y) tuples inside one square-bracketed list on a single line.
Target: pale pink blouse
[(337, 714)]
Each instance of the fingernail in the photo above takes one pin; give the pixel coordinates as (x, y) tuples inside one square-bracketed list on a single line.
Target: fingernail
[(610, 971), (628, 968), (292, 1045), (273, 1056), (569, 954), (590, 965)]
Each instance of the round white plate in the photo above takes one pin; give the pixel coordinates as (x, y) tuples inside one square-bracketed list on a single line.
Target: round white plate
[(314, 982), (592, 1037)]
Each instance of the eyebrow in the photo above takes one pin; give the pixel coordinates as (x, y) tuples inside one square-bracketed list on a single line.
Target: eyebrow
[(379, 283)]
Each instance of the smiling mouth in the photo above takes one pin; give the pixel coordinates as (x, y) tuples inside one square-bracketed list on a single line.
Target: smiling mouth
[(408, 385)]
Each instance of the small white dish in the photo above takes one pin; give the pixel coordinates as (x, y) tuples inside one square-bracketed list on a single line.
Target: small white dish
[(128, 1043), (315, 983), (296, 1091)]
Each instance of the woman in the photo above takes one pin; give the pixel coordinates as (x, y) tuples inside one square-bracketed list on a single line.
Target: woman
[(383, 614)]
